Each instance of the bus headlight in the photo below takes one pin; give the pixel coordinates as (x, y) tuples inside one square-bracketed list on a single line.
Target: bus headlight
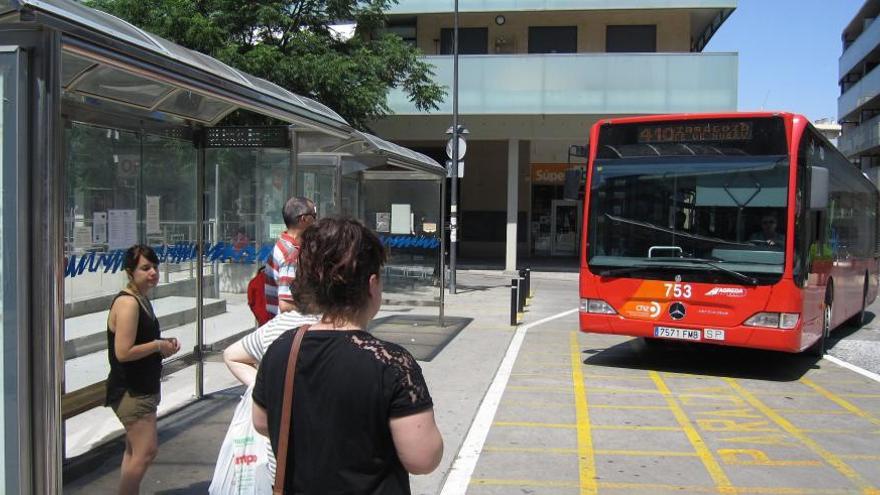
[(597, 306), (785, 321)]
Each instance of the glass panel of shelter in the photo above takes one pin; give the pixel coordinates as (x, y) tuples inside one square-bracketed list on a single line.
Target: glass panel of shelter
[(124, 187), (132, 172)]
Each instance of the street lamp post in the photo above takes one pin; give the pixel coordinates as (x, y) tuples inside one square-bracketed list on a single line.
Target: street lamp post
[(453, 203)]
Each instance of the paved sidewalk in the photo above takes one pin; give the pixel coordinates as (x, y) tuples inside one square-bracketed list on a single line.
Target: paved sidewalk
[(458, 378)]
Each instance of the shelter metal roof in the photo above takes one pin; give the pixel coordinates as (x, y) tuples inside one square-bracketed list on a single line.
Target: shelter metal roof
[(407, 157), (100, 24)]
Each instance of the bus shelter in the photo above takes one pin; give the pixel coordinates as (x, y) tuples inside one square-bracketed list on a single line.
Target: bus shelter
[(113, 136)]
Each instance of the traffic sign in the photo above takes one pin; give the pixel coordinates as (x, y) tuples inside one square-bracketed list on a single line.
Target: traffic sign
[(462, 147), (460, 169)]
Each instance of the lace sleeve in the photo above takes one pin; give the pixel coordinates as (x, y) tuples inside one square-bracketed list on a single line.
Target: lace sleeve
[(404, 382)]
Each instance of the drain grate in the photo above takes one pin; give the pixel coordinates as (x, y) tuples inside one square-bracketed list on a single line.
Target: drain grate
[(422, 336)]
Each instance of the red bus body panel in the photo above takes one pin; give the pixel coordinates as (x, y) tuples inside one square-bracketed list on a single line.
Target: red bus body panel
[(642, 305)]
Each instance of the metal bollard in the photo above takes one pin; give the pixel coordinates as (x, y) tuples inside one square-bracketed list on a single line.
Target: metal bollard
[(529, 293), (514, 301), (526, 275), (522, 295)]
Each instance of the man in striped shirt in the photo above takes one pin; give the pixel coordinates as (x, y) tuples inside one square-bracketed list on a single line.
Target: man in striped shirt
[(298, 214)]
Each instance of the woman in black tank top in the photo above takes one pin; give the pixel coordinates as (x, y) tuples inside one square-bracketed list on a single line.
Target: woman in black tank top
[(135, 351)]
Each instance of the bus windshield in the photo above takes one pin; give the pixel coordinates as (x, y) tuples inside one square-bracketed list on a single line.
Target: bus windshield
[(723, 212)]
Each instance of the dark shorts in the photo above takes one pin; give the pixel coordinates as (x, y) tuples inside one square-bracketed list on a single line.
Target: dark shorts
[(132, 407)]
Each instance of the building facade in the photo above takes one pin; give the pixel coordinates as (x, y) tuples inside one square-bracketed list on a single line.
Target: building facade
[(858, 107), (533, 77)]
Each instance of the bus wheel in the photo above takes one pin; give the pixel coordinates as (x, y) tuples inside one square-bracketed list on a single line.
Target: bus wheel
[(859, 318), (818, 348)]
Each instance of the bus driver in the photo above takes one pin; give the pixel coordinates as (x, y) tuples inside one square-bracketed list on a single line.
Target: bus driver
[(768, 235)]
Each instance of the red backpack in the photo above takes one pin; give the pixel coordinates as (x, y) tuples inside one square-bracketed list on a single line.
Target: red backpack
[(256, 297)]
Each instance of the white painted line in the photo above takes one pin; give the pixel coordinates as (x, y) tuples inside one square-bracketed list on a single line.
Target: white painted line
[(459, 476), (844, 364)]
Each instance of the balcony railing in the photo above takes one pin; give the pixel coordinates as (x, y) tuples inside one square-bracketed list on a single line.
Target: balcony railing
[(859, 94), (585, 83), (859, 139), (861, 47), (432, 6)]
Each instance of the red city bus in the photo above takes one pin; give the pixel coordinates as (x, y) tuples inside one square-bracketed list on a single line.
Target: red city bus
[(738, 229)]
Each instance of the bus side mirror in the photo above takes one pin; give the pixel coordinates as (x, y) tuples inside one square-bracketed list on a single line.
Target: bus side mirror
[(818, 188)]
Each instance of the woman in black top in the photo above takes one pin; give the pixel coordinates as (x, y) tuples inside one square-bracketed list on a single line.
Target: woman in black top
[(362, 417), (135, 351)]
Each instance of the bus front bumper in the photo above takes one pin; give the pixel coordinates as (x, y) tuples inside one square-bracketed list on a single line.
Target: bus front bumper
[(736, 336)]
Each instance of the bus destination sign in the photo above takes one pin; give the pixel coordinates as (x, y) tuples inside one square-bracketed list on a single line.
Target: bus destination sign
[(696, 133)]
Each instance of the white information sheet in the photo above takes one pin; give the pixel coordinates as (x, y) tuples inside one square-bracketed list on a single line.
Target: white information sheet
[(121, 228), (275, 230), (152, 215), (99, 227), (401, 223), (82, 237)]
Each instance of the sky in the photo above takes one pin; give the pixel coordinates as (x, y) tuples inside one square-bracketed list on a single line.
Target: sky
[(788, 53)]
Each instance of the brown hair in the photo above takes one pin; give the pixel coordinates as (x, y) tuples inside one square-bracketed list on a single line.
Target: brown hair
[(134, 253), (337, 256)]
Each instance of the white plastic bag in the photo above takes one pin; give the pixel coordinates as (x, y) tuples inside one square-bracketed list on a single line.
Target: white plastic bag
[(242, 466)]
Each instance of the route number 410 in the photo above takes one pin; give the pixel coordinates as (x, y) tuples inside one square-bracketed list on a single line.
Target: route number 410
[(678, 290)]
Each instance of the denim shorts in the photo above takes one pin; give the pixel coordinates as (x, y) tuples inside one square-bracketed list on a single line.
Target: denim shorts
[(133, 406)]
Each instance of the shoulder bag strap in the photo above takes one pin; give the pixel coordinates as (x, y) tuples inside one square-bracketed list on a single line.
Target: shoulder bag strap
[(287, 403)]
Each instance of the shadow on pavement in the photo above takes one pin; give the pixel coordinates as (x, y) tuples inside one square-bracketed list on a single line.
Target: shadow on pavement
[(188, 436), (703, 359), (844, 331), (200, 488)]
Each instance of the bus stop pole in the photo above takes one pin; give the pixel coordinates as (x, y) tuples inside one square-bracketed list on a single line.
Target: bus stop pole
[(453, 206)]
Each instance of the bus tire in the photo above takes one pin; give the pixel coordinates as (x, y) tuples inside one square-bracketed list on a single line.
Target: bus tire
[(819, 347), (858, 320)]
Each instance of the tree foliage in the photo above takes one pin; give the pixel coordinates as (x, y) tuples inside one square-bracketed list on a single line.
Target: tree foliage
[(291, 43)]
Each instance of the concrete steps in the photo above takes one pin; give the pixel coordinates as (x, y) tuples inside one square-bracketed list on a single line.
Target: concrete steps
[(87, 333), (94, 304), (88, 368)]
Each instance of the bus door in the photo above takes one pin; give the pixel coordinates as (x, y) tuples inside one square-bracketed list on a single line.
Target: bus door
[(565, 223)]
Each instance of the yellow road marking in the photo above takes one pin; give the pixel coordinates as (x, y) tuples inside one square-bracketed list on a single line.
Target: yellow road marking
[(629, 407), (536, 405), (592, 376), (654, 487), (715, 471), (792, 410), (557, 450), (586, 458), (531, 450), (755, 457), (849, 406), (532, 424), (859, 457), (761, 490), (537, 388), (841, 467), (533, 483)]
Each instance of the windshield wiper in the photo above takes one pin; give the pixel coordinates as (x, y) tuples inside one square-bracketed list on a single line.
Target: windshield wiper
[(711, 264), (629, 270), (682, 233)]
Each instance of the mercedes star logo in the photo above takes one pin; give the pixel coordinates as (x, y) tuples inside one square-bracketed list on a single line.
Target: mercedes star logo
[(676, 310)]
